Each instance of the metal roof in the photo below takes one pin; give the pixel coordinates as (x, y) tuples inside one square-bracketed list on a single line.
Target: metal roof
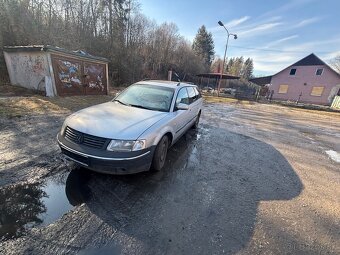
[(310, 60), (218, 75), (261, 80), (29, 48)]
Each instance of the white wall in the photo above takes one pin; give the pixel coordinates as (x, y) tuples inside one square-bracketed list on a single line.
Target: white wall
[(27, 69)]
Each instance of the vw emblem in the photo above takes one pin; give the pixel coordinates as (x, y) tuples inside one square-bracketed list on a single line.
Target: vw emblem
[(80, 138)]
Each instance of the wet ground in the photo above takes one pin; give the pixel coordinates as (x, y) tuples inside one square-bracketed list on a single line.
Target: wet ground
[(253, 179)]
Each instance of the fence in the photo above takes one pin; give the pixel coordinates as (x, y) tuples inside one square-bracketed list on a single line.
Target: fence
[(336, 103)]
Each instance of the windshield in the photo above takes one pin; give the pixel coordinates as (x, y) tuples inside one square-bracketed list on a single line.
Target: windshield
[(147, 97)]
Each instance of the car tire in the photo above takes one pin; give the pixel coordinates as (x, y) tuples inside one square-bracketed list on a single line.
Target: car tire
[(195, 126), (159, 157)]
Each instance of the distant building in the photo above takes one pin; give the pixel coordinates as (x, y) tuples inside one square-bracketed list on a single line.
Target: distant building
[(309, 80)]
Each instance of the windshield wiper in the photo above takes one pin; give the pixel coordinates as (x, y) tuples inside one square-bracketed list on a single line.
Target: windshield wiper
[(117, 100), (147, 108), (139, 106)]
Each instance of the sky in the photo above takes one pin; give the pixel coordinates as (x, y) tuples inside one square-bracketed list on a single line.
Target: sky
[(274, 33)]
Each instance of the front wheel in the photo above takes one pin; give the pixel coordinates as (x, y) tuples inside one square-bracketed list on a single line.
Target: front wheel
[(161, 151), (195, 126)]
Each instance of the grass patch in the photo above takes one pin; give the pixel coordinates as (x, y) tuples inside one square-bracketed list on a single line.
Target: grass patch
[(38, 105), (227, 100), (7, 90)]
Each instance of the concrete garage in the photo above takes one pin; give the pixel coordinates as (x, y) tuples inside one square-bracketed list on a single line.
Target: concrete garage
[(56, 71)]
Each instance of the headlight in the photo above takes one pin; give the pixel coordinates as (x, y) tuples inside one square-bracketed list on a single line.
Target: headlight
[(124, 145)]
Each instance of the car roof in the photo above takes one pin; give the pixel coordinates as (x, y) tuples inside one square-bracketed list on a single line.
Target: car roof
[(164, 83)]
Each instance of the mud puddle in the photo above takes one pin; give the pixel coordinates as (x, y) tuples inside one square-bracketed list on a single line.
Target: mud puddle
[(29, 205)]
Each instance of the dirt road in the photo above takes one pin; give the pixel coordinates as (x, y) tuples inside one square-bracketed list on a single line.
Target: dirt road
[(254, 179)]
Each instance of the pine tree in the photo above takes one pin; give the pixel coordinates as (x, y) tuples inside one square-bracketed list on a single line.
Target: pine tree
[(203, 46), (247, 69)]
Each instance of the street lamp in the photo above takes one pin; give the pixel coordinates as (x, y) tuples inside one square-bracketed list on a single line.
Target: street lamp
[(225, 54)]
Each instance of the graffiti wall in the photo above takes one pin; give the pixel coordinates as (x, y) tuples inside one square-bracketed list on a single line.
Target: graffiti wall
[(95, 78), (78, 77), (27, 69)]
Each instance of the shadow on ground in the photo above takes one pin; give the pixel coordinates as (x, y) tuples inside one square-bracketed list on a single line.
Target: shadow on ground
[(204, 202)]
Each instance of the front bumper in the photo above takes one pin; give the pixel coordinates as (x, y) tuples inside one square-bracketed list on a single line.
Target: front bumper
[(107, 161)]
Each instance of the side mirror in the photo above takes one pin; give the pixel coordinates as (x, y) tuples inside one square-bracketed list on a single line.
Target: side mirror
[(182, 106)]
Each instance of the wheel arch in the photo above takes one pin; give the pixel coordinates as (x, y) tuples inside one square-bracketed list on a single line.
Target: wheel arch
[(167, 132)]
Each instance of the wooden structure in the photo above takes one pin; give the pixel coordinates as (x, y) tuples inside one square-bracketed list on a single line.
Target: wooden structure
[(212, 79)]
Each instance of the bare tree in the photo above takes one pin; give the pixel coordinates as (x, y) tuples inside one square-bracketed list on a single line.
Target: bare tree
[(335, 63), (136, 46)]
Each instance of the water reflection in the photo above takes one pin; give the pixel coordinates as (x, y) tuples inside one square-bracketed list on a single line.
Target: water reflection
[(77, 190), (25, 206), (19, 206)]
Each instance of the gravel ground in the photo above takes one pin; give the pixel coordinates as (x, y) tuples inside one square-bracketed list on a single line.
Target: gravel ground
[(253, 179)]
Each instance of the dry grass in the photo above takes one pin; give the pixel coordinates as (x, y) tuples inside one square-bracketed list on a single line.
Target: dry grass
[(292, 108), (7, 90), (227, 100), (37, 105), (18, 101)]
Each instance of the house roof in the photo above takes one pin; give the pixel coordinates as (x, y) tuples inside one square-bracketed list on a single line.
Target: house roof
[(218, 75), (310, 60), (28, 48), (262, 80)]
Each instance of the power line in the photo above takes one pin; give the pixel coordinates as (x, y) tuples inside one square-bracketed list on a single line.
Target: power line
[(276, 50)]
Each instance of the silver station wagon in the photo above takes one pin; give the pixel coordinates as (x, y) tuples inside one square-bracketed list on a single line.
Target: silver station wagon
[(131, 133)]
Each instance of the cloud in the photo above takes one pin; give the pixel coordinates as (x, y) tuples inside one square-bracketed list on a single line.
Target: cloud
[(331, 55), (259, 29), (287, 6), (235, 22), (307, 22), (315, 46), (267, 63), (280, 41)]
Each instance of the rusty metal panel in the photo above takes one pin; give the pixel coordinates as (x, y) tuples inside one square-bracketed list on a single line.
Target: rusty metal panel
[(95, 79), (336, 102), (68, 76)]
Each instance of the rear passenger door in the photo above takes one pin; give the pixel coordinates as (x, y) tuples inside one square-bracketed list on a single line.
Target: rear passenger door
[(182, 117), (194, 102)]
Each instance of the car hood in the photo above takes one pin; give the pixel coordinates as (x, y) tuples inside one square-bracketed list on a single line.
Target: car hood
[(113, 120)]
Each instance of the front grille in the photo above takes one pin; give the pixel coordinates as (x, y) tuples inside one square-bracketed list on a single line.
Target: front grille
[(85, 139)]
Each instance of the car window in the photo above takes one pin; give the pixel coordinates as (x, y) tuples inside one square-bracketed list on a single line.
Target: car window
[(192, 94), (147, 96), (182, 97), (198, 94)]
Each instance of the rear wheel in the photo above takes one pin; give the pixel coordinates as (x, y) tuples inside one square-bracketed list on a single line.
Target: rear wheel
[(161, 151)]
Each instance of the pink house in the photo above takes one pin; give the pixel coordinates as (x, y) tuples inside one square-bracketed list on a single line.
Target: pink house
[(309, 80)]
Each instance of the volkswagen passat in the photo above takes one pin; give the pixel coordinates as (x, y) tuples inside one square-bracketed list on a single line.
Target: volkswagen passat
[(131, 133)]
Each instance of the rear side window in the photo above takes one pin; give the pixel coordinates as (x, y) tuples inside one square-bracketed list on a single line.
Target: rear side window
[(182, 97), (198, 94), (192, 94)]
